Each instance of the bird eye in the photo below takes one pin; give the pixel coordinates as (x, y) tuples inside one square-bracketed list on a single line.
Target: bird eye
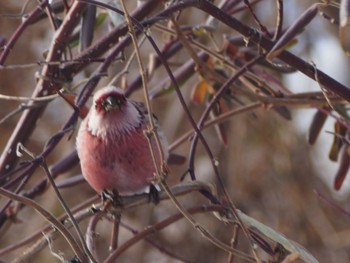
[(111, 102)]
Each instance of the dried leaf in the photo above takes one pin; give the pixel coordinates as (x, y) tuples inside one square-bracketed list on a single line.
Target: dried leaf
[(182, 75), (230, 49), (200, 91), (286, 243)]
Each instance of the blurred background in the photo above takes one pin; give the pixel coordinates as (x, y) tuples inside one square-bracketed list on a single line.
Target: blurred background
[(268, 167)]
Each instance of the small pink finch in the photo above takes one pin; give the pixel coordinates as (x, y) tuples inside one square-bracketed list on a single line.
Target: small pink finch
[(113, 150)]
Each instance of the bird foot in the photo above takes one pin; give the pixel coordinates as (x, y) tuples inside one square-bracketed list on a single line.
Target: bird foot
[(111, 197), (153, 195)]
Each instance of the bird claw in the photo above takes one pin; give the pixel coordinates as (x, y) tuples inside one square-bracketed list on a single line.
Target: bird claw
[(153, 195), (111, 197)]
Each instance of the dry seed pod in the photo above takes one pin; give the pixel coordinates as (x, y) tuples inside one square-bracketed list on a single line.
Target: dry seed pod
[(292, 31), (338, 141), (317, 123), (87, 27), (344, 25), (343, 168), (283, 111)]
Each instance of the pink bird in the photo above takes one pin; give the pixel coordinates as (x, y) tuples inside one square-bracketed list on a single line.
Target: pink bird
[(113, 150)]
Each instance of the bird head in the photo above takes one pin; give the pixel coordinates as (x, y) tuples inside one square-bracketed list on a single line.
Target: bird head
[(113, 113)]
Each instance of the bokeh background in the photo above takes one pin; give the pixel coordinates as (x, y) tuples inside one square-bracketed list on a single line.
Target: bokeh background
[(269, 169)]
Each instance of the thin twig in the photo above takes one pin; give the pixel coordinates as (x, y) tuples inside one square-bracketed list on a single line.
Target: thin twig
[(68, 211), (50, 218), (152, 126), (160, 247), (204, 116), (161, 180), (279, 19), (82, 211), (256, 19), (168, 221), (43, 164), (221, 118), (127, 64)]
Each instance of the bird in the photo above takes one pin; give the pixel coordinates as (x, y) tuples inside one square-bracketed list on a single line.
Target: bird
[(114, 153)]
